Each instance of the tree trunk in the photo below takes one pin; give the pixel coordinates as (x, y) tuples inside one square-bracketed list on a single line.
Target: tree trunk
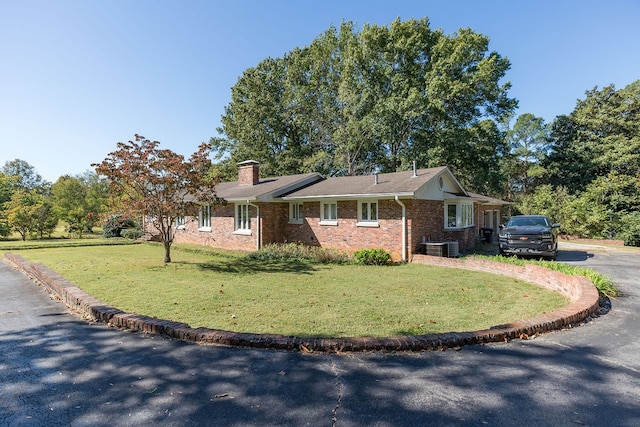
[(167, 252)]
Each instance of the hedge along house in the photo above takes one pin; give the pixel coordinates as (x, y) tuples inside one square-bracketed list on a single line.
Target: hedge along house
[(399, 212)]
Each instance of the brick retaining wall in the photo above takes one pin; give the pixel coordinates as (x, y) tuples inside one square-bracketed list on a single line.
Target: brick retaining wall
[(583, 295)]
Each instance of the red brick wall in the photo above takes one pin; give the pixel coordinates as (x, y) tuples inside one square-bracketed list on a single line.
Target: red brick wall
[(347, 236), (427, 223), (425, 220), (274, 219), (222, 233)]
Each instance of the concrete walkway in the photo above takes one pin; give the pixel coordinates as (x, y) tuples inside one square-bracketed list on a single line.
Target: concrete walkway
[(56, 369)]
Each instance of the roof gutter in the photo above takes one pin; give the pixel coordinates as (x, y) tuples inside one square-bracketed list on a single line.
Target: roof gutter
[(404, 228), (350, 196)]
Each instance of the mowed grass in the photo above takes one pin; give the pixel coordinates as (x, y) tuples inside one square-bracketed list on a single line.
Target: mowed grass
[(226, 290)]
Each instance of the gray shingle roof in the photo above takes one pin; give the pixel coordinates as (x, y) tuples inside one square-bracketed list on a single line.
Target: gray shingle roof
[(388, 184), (266, 189), (314, 186), (481, 198)]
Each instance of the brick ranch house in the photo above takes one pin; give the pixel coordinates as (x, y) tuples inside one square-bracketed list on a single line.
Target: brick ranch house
[(399, 212)]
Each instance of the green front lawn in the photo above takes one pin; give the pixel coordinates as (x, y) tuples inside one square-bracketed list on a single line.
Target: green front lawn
[(226, 290)]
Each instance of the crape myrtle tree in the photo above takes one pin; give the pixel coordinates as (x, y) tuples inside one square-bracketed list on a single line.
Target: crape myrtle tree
[(373, 100), (158, 183)]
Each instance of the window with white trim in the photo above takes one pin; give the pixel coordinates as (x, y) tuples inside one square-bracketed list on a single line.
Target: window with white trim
[(329, 213), (368, 213), (243, 217), (467, 214), (458, 214), (295, 213), (180, 221), (204, 218)]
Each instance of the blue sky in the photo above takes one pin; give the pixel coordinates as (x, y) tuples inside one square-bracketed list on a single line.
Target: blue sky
[(77, 76)]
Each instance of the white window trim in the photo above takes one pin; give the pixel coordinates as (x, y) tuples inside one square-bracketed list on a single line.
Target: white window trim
[(296, 215), (464, 210), (204, 218), (242, 226), (368, 222), (328, 221), (181, 222)]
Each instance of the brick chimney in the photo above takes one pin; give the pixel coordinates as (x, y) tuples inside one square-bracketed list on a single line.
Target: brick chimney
[(248, 172)]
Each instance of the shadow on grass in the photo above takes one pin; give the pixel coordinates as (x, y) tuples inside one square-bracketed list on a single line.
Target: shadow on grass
[(248, 265)]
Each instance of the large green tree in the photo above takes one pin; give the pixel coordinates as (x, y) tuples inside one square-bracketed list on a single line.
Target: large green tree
[(528, 142), (29, 212), (80, 200), (595, 155), (567, 164), (24, 200), (7, 187), (600, 136), (45, 219), (609, 127), (377, 99), (26, 176)]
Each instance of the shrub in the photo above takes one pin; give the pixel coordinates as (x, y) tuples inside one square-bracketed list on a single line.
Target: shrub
[(115, 224), (131, 233), (630, 232), (372, 257), (299, 252)]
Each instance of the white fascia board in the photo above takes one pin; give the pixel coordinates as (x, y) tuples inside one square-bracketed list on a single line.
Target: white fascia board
[(241, 199)]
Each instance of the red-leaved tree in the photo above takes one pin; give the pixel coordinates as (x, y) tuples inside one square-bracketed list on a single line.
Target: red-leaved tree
[(159, 183)]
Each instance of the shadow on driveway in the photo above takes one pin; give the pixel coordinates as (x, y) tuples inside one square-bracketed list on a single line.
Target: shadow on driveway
[(79, 374), (573, 255)]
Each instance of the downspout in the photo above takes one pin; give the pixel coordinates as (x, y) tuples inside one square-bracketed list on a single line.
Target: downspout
[(258, 234), (404, 228)]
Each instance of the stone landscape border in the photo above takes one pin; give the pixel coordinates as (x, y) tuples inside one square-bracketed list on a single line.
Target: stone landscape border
[(581, 292)]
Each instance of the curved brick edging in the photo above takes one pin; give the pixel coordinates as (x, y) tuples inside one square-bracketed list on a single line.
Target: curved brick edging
[(583, 295)]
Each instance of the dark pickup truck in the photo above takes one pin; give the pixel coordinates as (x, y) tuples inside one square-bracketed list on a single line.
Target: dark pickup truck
[(529, 235)]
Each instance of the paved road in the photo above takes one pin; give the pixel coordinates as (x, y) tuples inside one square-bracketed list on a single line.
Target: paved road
[(57, 370)]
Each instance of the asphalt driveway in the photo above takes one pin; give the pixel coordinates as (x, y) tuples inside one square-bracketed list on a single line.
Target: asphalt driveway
[(56, 369)]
